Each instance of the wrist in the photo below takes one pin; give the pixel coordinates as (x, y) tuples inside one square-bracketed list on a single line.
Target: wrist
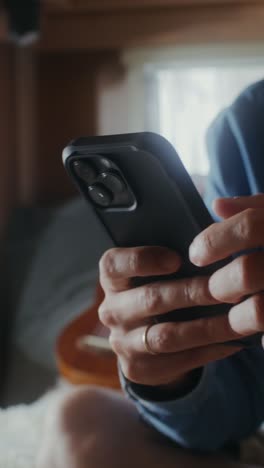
[(172, 391)]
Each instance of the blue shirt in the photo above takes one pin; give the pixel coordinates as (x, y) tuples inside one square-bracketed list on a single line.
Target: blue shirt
[(228, 403)]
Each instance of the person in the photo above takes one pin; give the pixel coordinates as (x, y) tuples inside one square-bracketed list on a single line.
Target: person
[(194, 393)]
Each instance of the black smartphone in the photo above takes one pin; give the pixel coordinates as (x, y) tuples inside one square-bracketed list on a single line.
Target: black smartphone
[(143, 195)]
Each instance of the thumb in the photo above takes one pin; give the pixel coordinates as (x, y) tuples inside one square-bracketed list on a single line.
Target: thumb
[(227, 207)]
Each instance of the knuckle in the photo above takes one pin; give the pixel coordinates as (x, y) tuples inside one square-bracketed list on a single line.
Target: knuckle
[(107, 263), (116, 344), (208, 241), (186, 292), (134, 262), (247, 225), (190, 293), (258, 311), (106, 315), (162, 341), (151, 299)]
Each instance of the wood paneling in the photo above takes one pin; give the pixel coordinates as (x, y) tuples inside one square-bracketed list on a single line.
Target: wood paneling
[(26, 123), (8, 174), (155, 27), (3, 27), (50, 95), (67, 108), (45, 100), (103, 5)]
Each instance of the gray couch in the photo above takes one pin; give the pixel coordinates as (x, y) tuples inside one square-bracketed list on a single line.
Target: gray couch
[(50, 272)]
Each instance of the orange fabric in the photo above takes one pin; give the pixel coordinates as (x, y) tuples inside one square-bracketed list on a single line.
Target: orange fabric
[(85, 366)]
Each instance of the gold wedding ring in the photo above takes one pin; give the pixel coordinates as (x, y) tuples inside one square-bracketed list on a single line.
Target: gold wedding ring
[(145, 340)]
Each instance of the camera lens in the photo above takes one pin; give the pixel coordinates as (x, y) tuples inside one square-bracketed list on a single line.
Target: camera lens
[(100, 195), (85, 171), (113, 182)]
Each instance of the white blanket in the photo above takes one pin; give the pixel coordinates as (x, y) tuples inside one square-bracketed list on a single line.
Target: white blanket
[(22, 427), (21, 431)]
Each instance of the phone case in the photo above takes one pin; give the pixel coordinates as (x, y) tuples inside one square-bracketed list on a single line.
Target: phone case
[(167, 210)]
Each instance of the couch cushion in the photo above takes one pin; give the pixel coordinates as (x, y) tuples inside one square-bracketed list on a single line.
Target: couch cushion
[(52, 257)]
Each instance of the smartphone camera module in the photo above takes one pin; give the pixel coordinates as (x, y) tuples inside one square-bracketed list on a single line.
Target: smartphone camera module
[(100, 195), (85, 171), (103, 182), (113, 182)]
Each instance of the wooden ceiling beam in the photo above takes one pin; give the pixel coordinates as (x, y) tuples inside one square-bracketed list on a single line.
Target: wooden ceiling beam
[(106, 5), (163, 26)]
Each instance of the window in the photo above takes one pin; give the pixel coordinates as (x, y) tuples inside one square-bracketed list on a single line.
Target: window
[(178, 91), (187, 101)]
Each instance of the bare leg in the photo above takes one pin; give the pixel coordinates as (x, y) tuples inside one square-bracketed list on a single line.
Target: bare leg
[(98, 428)]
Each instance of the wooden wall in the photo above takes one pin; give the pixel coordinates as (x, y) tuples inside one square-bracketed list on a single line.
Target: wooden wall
[(50, 93), (7, 142), (45, 100), (66, 103)]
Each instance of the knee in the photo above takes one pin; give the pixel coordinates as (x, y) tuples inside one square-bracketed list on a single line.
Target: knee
[(74, 428), (82, 411)]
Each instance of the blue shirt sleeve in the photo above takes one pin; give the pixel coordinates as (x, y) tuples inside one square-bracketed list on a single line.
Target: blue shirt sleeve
[(227, 176), (235, 144), (226, 406), (228, 402)]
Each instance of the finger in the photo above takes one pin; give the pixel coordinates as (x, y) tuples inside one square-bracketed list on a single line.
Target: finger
[(164, 369), (240, 232), (248, 316), (119, 265), (129, 308), (226, 207), (242, 277), (168, 338)]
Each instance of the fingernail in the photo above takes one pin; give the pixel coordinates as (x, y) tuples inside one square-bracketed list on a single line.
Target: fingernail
[(262, 342), (228, 199), (239, 323), (236, 199), (196, 252)]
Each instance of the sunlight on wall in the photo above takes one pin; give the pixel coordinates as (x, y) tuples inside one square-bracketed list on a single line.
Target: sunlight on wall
[(189, 99)]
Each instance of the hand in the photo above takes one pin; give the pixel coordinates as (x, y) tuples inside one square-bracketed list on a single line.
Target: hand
[(241, 282), (126, 311)]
